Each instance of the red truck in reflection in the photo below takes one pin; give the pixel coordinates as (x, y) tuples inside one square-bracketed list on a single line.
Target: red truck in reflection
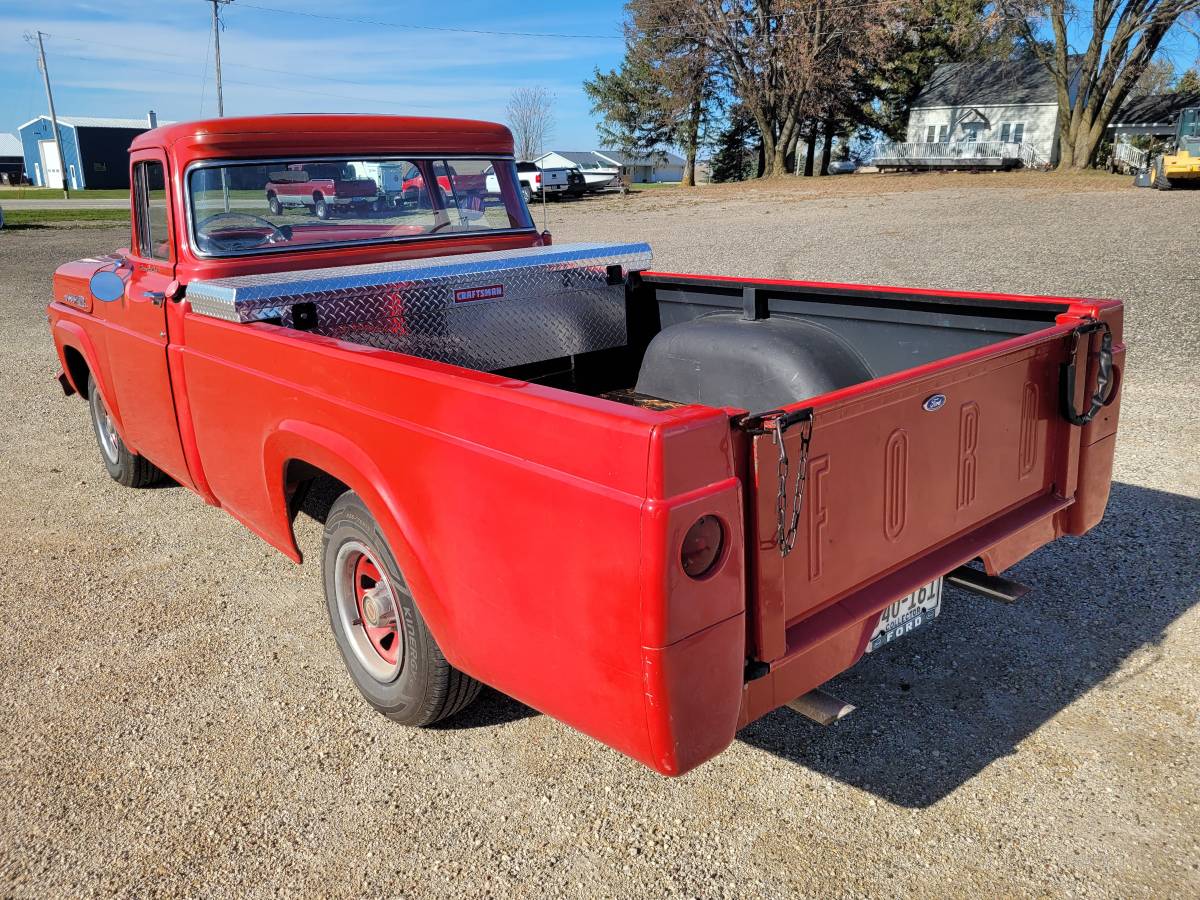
[(656, 506), (322, 188)]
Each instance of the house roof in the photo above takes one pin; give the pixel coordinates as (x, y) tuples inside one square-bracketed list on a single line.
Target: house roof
[(1022, 81), (97, 122), (662, 158), (1146, 110), (10, 146)]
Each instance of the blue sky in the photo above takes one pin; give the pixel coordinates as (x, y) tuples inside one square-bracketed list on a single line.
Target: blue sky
[(123, 57)]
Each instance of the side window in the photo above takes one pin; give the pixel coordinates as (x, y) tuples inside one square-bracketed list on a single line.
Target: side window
[(944, 134), (931, 134), (1018, 132), (1005, 132), (150, 196)]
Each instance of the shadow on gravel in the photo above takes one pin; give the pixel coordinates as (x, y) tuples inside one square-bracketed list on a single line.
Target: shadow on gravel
[(942, 704), (491, 708)]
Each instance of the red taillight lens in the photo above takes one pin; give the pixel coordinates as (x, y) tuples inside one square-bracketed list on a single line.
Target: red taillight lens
[(702, 546), (537, 179)]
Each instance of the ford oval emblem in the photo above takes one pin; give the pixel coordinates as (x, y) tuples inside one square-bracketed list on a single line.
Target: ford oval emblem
[(934, 402)]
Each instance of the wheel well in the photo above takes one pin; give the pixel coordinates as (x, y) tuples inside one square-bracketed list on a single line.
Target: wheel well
[(77, 368), (317, 195), (310, 490)]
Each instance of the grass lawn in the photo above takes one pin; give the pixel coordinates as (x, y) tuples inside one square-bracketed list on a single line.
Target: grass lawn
[(37, 193), (35, 218)]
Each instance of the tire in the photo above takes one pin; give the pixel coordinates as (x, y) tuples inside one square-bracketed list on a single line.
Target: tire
[(320, 207), (123, 466), (527, 193), (274, 205), (397, 665)]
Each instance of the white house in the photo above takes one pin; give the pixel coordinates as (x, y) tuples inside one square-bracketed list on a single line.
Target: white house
[(663, 166), (1009, 101)]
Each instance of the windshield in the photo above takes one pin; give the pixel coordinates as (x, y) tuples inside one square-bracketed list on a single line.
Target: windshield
[(254, 207)]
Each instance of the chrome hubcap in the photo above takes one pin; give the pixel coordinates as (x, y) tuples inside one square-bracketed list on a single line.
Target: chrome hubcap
[(106, 431)]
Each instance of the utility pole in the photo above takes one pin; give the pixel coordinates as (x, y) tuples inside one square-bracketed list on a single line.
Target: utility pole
[(216, 26), (62, 163)]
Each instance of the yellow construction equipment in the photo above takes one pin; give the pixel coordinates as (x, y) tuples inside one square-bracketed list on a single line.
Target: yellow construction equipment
[(1182, 167)]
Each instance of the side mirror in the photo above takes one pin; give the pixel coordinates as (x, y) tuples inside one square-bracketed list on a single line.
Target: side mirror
[(107, 285)]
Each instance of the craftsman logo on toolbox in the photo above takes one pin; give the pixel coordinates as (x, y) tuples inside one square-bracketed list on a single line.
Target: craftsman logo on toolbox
[(491, 292)]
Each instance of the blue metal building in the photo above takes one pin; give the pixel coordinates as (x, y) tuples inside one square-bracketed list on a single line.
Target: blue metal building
[(95, 150)]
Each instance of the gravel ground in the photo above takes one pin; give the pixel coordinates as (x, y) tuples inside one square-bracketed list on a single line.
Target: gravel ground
[(176, 719)]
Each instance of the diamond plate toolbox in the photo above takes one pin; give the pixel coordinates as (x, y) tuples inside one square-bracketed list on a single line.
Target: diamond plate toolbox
[(484, 311)]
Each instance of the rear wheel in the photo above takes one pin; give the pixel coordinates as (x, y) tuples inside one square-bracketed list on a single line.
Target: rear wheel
[(388, 649), (527, 193), (320, 207), (123, 466), (274, 205)]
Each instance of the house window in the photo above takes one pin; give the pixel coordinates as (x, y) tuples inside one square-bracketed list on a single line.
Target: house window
[(931, 134), (1018, 132), (943, 134), (1005, 132)]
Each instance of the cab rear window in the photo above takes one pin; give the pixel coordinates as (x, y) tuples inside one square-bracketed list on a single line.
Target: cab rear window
[(255, 207)]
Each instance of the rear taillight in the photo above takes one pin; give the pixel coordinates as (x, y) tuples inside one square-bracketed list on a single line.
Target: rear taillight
[(702, 546), (537, 179)]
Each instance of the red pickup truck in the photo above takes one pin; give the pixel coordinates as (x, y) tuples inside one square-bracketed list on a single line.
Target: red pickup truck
[(655, 506), (322, 187)]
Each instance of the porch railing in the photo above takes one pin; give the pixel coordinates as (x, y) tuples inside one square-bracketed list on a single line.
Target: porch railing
[(1129, 156), (955, 153)]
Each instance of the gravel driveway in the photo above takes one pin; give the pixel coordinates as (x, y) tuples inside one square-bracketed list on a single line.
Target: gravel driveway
[(175, 720)]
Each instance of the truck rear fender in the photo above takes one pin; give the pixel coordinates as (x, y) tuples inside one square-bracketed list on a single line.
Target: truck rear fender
[(339, 457), (693, 628)]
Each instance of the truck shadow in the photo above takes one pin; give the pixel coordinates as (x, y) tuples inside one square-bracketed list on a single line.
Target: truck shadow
[(942, 704)]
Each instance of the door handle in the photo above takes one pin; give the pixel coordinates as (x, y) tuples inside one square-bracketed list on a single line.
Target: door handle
[(155, 297)]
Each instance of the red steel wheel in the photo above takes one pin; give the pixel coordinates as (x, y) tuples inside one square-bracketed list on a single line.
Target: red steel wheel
[(370, 617)]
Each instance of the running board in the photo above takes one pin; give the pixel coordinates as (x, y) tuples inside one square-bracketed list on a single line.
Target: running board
[(991, 586), (822, 708)]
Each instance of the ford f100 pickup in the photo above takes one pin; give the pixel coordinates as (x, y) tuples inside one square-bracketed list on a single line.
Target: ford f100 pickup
[(654, 506)]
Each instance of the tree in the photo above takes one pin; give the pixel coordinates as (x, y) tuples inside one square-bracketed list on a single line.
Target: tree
[(926, 34), (1189, 81), (735, 153), (781, 58), (530, 116), (1159, 78), (1122, 38), (664, 92)]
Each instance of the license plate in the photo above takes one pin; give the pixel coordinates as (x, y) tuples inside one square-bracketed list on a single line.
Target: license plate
[(907, 614)]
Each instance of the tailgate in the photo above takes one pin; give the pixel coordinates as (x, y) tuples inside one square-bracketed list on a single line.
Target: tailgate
[(946, 456)]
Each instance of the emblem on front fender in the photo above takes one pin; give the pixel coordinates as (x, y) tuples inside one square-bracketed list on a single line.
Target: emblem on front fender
[(934, 402)]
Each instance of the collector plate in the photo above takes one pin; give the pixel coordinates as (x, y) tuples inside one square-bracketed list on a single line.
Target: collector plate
[(907, 614)]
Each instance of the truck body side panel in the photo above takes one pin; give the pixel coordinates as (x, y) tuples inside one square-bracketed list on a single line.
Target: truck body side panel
[(518, 520)]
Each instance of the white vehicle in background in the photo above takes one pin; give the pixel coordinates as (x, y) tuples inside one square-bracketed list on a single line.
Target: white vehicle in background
[(536, 180), (389, 177)]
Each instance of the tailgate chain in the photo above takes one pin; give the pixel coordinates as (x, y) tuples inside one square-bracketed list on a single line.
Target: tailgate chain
[(776, 423), (786, 536)]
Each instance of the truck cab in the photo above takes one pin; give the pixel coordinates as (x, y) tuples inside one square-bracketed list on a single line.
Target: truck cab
[(654, 505)]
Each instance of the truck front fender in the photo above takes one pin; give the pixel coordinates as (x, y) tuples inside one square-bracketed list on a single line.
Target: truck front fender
[(72, 334), (338, 456)]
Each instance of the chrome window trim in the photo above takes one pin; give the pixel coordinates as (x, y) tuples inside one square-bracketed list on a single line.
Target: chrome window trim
[(333, 245)]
